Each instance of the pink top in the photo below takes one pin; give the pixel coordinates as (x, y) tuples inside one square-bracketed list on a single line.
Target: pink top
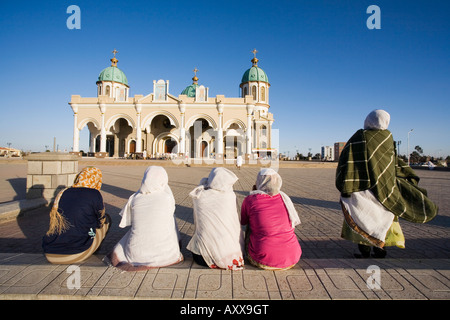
[(272, 239)]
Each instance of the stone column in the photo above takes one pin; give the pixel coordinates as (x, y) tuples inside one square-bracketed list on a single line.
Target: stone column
[(138, 128), (92, 146), (219, 151), (102, 152), (50, 172), (76, 132), (250, 108), (182, 146)]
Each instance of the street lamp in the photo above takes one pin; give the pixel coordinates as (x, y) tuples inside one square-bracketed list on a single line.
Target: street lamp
[(408, 144)]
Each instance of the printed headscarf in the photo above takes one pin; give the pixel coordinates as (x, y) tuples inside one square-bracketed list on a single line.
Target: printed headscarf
[(89, 177)]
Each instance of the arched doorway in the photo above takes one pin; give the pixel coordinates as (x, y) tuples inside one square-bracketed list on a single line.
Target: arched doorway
[(169, 145), (204, 147), (120, 133), (159, 136), (200, 139), (132, 146), (234, 141)]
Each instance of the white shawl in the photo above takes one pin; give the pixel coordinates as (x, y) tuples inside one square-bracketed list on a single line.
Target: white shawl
[(152, 240), (218, 236), (269, 182)]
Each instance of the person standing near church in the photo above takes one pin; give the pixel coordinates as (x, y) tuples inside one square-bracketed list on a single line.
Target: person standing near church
[(377, 188)]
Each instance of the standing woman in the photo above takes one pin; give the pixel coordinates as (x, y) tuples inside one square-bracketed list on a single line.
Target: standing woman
[(153, 239), (218, 239), (377, 188), (78, 223), (271, 242)]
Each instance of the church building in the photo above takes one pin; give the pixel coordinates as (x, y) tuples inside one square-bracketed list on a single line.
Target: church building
[(191, 124)]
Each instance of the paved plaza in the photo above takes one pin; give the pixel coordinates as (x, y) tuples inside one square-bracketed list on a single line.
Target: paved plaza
[(327, 269)]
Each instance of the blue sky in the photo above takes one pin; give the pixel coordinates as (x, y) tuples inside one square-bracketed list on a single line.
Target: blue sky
[(326, 68)]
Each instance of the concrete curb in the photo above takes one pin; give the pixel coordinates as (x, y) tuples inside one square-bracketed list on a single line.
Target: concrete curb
[(12, 209)]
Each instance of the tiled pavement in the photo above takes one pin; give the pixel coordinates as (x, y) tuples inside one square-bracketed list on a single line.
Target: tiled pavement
[(327, 269)]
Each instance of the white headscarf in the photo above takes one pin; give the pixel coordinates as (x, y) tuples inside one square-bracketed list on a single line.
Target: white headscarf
[(155, 179), (152, 240), (377, 120), (218, 236), (269, 182), (219, 179)]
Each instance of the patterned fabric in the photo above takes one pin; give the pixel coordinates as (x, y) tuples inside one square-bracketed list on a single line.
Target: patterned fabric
[(89, 177), (369, 162)]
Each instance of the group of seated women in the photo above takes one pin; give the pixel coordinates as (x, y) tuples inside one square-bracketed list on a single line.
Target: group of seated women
[(78, 224)]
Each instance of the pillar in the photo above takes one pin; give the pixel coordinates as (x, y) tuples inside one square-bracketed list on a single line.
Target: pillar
[(250, 108), (138, 128), (76, 132), (102, 129), (219, 151), (182, 146)]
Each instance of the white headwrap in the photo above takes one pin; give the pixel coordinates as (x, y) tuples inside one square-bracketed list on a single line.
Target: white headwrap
[(152, 240), (269, 182), (218, 236), (219, 179), (377, 120), (155, 179)]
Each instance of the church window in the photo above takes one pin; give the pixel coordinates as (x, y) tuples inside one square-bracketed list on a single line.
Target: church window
[(108, 90), (263, 93), (255, 97), (263, 130)]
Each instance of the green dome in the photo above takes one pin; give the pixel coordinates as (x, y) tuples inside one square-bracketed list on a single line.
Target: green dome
[(113, 74), (254, 74), (190, 90)]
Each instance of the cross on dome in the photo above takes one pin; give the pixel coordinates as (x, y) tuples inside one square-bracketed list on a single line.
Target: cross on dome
[(195, 79), (114, 60), (254, 60)]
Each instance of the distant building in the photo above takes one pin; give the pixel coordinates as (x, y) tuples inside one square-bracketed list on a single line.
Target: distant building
[(162, 123), (338, 146), (9, 152), (327, 153)]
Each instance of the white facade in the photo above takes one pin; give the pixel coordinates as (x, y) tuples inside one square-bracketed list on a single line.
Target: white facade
[(327, 153), (189, 125)]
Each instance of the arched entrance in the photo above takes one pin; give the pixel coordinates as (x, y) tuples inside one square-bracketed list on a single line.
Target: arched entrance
[(159, 136), (132, 146), (234, 141), (119, 139), (200, 139), (169, 145), (204, 151)]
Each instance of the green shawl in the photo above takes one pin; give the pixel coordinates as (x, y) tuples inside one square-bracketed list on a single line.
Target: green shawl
[(369, 162)]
